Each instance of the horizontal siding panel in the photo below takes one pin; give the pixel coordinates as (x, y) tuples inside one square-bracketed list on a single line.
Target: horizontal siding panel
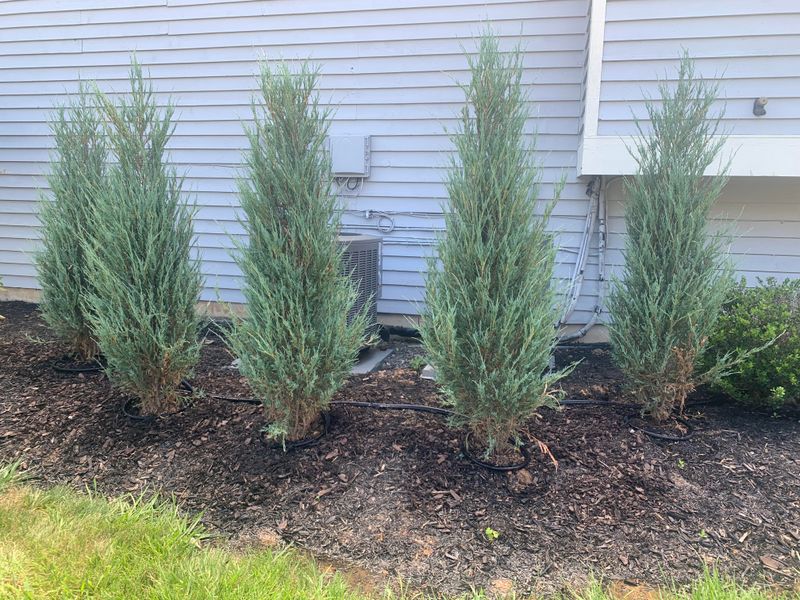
[(191, 158), (418, 175), (733, 109), (552, 58), (564, 114), (335, 32), (734, 126), (708, 26), (745, 67), (380, 127), (763, 216), (236, 46), (635, 10), (731, 88), (438, 144), (745, 262), (414, 195), (719, 48), (751, 49), (239, 100), (281, 14), (23, 7)]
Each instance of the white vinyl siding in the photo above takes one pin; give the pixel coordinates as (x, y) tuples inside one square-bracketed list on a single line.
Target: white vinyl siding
[(761, 214), (389, 69), (751, 48)]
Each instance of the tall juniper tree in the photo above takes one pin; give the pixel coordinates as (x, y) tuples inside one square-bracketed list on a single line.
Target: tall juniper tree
[(677, 274), (145, 283), (491, 304), (296, 345), (78, 172)]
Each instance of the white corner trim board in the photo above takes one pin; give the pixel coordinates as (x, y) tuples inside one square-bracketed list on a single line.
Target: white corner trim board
[(594, 67), (750, 156)]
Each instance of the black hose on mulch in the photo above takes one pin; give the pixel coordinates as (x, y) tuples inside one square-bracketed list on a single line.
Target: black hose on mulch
[(523, 449), (127, 408), (72, 370), (375, 405), (587, 402), (390, 406), (629, 420), (662, 436), (304, 443), (464, 444), (234, 400)]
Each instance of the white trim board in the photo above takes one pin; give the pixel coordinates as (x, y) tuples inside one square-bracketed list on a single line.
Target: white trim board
[(751, 156), (594, 67)]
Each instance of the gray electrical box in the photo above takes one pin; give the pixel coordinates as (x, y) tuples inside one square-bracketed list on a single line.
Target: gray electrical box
[(349, 155)]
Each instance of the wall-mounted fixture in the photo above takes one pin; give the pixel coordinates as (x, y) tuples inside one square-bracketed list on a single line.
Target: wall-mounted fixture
[(350, 155), (759, 106)]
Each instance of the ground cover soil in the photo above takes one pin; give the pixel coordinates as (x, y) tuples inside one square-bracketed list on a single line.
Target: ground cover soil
[(389, 495)]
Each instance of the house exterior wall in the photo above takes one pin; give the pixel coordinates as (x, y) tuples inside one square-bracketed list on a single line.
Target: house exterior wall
[(752, 50), (389, 69)]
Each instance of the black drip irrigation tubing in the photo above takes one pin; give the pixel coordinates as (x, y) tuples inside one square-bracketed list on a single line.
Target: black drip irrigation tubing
[(389, 406), (667, 437), (234, 400), (629, 419), (71, 370), (523, 449), (127, 407), (299, 444), (375, 405), (127, 410), (587, 402), (464, 443)]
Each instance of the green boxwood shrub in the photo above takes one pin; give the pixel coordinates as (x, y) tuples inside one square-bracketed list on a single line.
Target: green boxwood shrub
[(751, 318)]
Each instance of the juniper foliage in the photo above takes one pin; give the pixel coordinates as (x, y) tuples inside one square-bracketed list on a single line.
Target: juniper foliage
[(677, 274), (295, 346), (145, 283), (491, 305), (78, 171)]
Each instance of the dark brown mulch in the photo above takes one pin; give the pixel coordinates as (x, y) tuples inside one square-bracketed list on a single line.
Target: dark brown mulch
[(390, 493)]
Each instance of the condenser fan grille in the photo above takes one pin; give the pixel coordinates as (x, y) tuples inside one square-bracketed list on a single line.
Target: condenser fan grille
[(361, 255)]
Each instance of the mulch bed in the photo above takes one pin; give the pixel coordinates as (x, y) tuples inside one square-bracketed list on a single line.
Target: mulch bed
[(390, 493)]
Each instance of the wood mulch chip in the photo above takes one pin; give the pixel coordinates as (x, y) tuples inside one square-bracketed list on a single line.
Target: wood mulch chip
[(389, 493)]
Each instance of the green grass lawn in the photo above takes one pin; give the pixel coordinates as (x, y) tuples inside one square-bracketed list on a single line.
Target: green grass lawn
[(56, 543)]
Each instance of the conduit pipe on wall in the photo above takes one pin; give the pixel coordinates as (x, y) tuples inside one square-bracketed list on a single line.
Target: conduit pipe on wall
[(597, 213), (576, 281)]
